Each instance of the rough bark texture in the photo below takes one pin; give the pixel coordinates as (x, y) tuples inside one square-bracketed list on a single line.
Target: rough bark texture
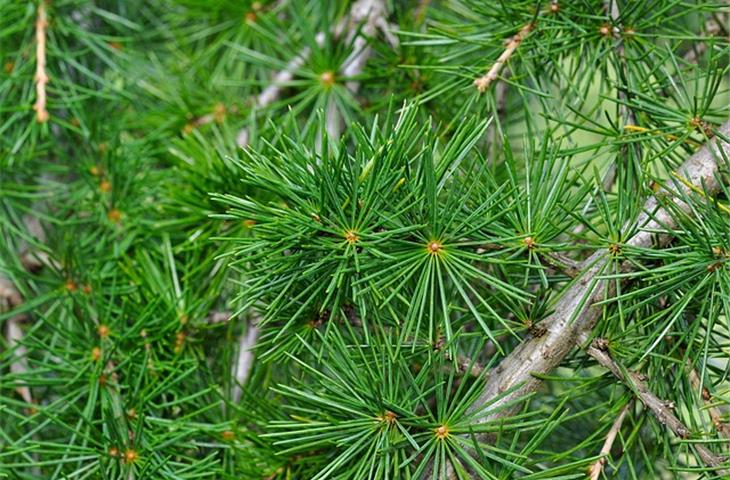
[(575, 313)]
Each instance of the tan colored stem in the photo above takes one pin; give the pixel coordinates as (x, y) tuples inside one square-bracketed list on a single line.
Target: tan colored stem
[(41, 77), (594, 472), (715, 414), (482, 83), (661, 409)]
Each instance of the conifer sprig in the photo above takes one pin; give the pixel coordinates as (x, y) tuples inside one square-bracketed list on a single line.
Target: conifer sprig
[(364, 239)]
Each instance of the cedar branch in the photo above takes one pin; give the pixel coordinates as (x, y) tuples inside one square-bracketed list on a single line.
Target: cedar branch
[(575, 313), (661, 409)]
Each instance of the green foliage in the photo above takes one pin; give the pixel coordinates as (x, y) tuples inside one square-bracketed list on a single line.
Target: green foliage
[(298, 239)]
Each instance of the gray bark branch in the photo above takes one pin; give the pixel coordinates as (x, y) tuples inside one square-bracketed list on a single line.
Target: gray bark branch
[(574, 313)]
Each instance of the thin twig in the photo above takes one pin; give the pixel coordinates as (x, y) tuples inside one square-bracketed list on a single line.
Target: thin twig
[(369, 16), (10, 298), (370, 13), (222, 316), (661, 409), (714, 412), (626, 114), (566, 264), (271, 93), (482, 83), (41, 77), (595, 471), (244, 363), (713, 28)]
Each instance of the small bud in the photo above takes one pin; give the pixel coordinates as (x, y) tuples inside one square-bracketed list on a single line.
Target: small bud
[(114, 215), (482, 83), (228, 436), (434, 247), (105, 186), (388, 418), (327, 78), (219, 113), (131, 456), (96, 354), (706, 395), (180, 341), (442, 432), (103, 331), (351, 237), (601, 343), (42, 116)]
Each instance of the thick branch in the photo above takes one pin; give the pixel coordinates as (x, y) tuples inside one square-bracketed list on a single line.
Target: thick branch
[(41, 78), (575, 313)]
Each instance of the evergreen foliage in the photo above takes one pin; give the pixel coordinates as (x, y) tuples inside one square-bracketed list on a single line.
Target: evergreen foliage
[(369, 239)]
